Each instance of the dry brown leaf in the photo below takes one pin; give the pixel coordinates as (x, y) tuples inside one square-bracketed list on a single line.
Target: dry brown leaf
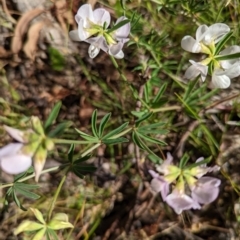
[(5, 9), (4, 53), (30, 47), (22, 27), (63, 13)]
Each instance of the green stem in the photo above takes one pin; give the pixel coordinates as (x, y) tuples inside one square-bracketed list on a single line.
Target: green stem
[(135, 93), (121, 133), (55, 197), (67, 141), (29, 177), (91, 149), (175, 78), (164, 109), (95, 225)]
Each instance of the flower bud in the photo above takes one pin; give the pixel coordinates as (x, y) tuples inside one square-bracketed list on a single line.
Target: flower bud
[(48, 144), (28, 226), (37, 125), (60, 221), (39, 160), (39, 235), (38, 215), (173, 173), (109, 39), (31, 148)]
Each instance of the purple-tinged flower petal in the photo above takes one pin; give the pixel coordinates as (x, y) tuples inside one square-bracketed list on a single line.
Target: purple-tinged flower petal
[(215, 33), (201, 31), (180, 201), (85, 13), (189, 44), (196, 69), (233, 71), (119, 55), (122, 32), (219, 80), (83, 34), (227, 51), (163, 168), (98, 42), (116, 50), (9, 149), (12, 161), (15, 133), (158, 184), (206, 190), (93, 51), (101, 16), (201, 170)]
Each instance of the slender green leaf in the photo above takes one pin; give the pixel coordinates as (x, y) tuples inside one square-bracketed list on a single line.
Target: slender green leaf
[(27, 193), (228, 57), (144, 117), (115, 131), (114, 140), (153, 131), (117, 26), (152, 126), (59, 129), (138, 114), (94, 123), (183, 161), (103, 124), (53, 115), (146, 92), (25, 186), (15, 198), (122, 2), (77, 173), (19, 176), (82, 133), (155, 159), (9, 191), (71, 152), (207, 160), (150, 139), (160, 93), (85, 168), (222, 42), (82, 159), (87, 137), (189, 89), (137, 140), (52, 233)]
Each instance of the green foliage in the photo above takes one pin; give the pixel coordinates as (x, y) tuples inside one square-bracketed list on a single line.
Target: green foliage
[(21, 188), (77, 165), (98, 137), (57, 59), (53, 115)]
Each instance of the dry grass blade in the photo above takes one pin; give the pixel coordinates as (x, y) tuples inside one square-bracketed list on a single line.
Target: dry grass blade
[(22, 27), (30, 47)]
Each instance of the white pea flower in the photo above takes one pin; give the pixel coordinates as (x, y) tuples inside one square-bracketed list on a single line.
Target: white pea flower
[(226, 69), (205, 36), (31, 149), (184, 188), (13, 159), (92, 28), (223, 70), (197, 68)]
